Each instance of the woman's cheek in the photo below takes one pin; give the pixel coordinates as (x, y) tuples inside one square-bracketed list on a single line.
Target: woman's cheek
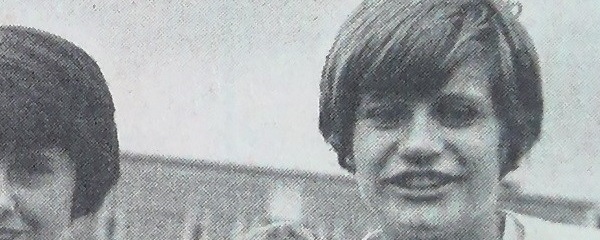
[(480, 152), (371, 144), (48, 208)]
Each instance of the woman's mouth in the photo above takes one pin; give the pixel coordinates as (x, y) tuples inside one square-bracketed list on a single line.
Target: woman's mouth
[(421, 185)]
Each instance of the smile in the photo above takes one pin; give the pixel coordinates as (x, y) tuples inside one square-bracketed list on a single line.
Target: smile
[(421, 185)]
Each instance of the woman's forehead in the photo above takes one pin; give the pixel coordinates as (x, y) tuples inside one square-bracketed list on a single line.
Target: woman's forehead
[(471, 76), (13, 148), (465, 83), (50, 154)]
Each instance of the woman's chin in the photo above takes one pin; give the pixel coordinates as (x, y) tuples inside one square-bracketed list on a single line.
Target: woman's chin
[(423, 213), (421, 225), (422, 228)]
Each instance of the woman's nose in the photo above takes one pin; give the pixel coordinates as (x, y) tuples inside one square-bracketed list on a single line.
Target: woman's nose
[(422, 143)]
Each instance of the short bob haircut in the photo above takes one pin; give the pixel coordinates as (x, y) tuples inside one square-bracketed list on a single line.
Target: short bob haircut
[(411, 47), (54, 95)]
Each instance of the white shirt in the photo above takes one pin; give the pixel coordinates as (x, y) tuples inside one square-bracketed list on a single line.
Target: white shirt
[(522, 227)]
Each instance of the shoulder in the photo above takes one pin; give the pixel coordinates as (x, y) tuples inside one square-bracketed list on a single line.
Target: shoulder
[(538, 229)]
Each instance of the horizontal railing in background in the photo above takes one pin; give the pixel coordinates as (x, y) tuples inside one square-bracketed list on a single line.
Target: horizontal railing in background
[(198, 225), (156, 200)]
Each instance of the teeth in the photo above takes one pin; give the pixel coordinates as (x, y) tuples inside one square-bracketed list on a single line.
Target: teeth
[(422, 182)]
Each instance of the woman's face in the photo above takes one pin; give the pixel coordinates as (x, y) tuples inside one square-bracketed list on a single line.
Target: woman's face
[(431, 167), (36, 190)]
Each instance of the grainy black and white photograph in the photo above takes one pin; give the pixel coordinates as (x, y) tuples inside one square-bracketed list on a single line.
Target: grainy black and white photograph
[(299, 120)]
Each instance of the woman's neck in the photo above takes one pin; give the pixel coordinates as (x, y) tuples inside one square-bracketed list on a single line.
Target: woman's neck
[(489, 227)]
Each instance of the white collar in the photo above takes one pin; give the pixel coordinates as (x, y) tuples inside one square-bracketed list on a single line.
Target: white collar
[(513, 230)]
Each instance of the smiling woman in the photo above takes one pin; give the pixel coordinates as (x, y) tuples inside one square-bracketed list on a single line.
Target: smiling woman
[(430, 103), (59, 149)]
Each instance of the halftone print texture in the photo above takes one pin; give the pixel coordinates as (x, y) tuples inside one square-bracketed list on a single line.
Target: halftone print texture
[(299, 119)]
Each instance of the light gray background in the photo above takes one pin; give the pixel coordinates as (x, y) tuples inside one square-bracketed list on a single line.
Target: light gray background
[(237, 80)]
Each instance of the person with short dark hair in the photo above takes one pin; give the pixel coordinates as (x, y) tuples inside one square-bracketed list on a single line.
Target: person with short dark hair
[(430, 103), (59, 147)]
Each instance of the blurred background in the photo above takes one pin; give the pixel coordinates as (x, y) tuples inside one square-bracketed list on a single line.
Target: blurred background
[(207, 90)]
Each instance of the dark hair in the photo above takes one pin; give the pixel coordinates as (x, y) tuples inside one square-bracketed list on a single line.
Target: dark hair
[(412, 47), (54, 95)]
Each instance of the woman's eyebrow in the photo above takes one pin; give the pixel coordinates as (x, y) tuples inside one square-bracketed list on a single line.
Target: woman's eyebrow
[(384, 104), (392, 99), (472, 99), (39, 154)]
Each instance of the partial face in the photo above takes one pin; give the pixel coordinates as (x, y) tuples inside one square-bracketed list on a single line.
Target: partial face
[(36, 190), (430, 167)]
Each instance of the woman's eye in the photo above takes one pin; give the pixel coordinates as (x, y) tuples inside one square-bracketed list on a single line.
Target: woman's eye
[(33, 169), (456, 113), (388, 117), (28, 170)]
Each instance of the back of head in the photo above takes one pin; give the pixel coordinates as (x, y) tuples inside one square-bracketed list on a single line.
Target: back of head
[(54, 93)]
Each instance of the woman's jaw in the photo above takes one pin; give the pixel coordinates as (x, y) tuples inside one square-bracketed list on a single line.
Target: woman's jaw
[(442, 201), (436, 212)]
